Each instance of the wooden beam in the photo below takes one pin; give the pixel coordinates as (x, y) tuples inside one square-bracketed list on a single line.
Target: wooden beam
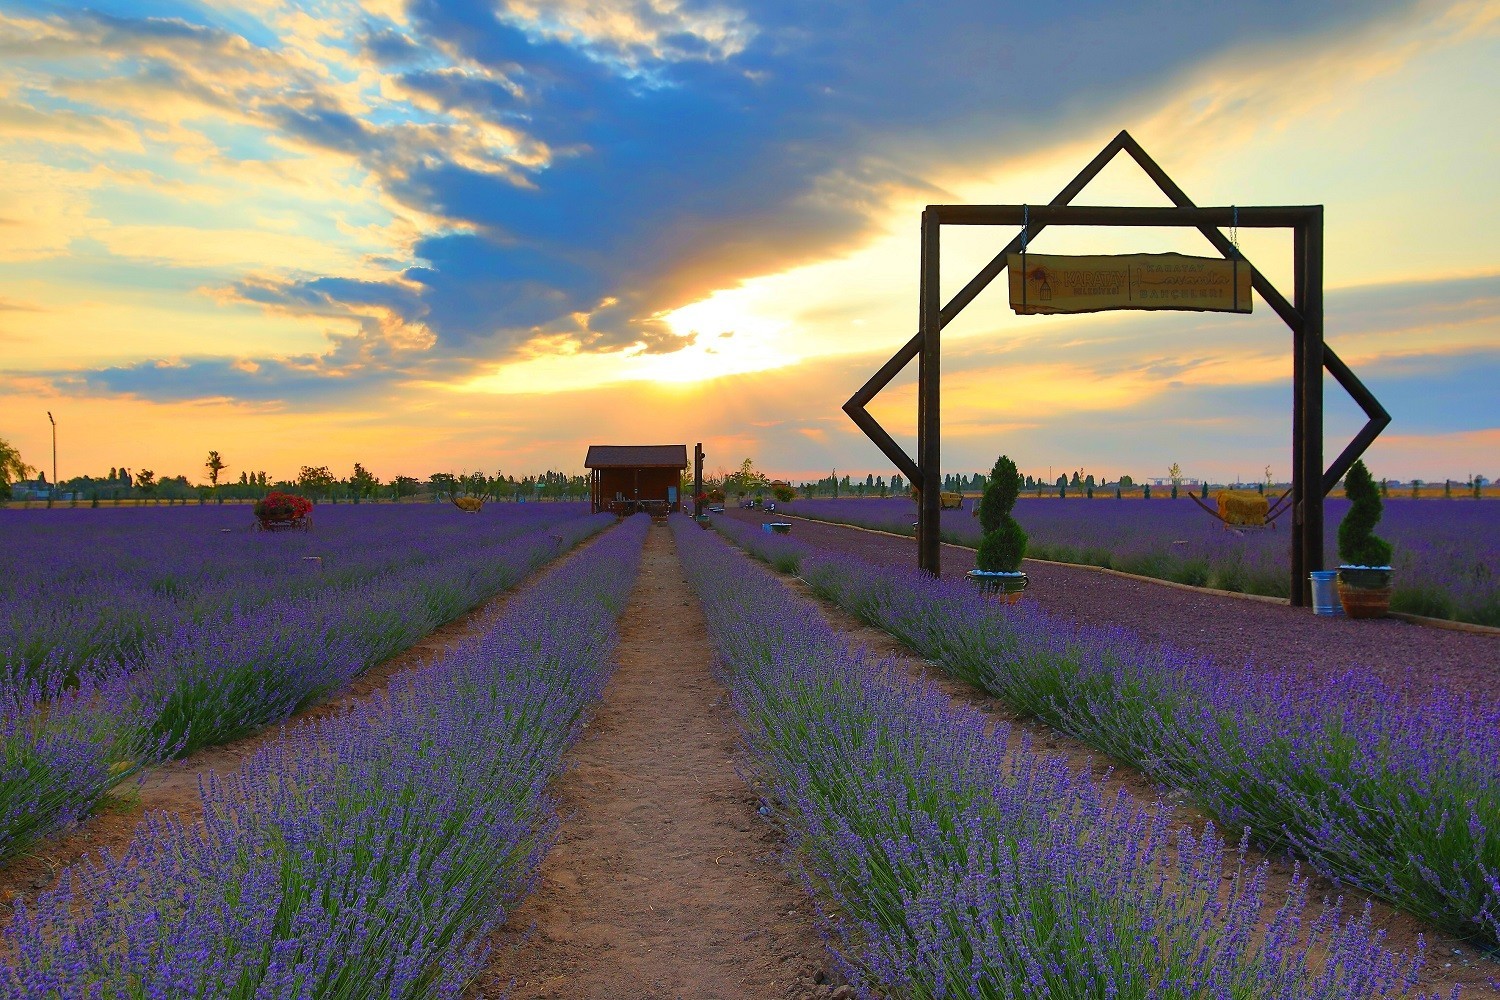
[(1221, 243), (929, 445), (1378, 420), (1247, 216), (1300, 585)]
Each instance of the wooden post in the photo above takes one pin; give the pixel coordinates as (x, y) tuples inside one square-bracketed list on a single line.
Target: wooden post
[(1300, 586), (1312, 394), (698, 457), (929, 441)]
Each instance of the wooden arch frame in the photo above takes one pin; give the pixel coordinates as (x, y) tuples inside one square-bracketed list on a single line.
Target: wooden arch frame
[(1303, 315)]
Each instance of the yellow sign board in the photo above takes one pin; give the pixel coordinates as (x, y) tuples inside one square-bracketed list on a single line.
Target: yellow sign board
[(1048, 283)]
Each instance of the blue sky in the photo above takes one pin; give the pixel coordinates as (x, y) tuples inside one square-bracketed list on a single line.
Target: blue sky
[(485, 234)]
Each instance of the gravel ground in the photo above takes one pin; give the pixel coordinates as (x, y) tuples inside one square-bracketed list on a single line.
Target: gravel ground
[(1230, 629)]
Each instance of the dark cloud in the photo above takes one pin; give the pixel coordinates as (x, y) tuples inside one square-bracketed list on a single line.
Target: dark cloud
[(388, 47), (275, 381), (595, 182)]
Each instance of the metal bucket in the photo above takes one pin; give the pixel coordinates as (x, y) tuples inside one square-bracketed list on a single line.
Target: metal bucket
[(1325, 593)]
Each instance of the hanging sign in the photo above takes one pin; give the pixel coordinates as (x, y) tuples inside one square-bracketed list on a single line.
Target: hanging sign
[(1049, 283)]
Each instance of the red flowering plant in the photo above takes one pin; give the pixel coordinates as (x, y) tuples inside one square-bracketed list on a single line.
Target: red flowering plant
[(282, 507)]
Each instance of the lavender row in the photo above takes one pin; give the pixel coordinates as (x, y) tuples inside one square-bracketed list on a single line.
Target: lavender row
[(1446, 551), (67, 743), (84, 587), (951, 866), (1399, 797), (367, 854)]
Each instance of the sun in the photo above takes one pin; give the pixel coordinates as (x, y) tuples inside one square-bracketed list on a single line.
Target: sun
[(729, 339)]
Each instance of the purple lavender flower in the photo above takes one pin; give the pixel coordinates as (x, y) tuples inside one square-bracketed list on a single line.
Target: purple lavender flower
[(951, 865), (1395, 795), (152, 632), (364, 854)]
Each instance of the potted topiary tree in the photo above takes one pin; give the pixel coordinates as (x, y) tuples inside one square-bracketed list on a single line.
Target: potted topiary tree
[(1003, 544), (1365, 574)]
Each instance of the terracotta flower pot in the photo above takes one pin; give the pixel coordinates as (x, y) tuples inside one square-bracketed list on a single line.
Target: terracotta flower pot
[(1365, 592), (1365, 602)]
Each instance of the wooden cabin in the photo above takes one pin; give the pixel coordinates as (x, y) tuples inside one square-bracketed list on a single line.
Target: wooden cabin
[(626, 478)]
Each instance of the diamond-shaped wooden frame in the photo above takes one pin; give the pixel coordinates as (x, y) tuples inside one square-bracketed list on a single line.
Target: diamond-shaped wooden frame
[(1303, 315)]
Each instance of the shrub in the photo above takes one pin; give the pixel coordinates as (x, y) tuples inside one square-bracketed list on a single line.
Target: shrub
[(1004, 543), (281, 506), (1358, 543)]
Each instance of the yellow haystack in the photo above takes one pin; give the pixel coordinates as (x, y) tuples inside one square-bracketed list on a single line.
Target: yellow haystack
[(946, 500), (470, 504), (1242, 507)]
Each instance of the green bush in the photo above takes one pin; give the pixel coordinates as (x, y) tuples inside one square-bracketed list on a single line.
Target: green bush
[(1358, 543), (1004, 543)]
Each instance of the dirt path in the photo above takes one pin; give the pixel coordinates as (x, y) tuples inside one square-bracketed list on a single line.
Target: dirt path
[(1232, 630), (173, 785), (664, 881)]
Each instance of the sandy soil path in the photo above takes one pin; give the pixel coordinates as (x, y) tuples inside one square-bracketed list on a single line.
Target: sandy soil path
[(664, 882), (1232, 630)]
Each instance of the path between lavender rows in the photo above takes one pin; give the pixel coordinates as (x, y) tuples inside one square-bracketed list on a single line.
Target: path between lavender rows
[(1229, 629), (664, 882)]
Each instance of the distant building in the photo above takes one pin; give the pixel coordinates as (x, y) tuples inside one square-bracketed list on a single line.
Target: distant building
[(625, 478), (30, 489)]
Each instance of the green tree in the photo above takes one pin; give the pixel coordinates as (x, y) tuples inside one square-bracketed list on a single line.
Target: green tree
[(748, 479), (215, 464), (1174, 473), (145, 481), (1126, 482), (316, 479), (362, 483), (12, 469)]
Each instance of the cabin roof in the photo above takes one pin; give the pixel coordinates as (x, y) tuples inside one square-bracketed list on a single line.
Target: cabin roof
[(636, 456)]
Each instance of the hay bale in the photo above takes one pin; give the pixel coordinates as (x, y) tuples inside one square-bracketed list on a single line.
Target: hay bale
[(1242, 507)]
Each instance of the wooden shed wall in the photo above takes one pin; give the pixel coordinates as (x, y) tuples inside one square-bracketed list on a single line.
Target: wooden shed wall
[(637, 484)]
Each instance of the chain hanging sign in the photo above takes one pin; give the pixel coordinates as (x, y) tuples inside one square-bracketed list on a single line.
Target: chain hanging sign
[(1051, 283)]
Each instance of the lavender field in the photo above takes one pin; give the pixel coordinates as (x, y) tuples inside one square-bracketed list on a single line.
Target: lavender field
[(365, 854), (1447, 551), (131, 636), (952, 866), (1396, 794)]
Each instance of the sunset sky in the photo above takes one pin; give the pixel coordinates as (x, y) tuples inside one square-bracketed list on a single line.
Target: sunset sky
[(456, 235)]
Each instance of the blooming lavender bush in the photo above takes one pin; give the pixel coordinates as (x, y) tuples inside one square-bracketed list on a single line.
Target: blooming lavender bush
[(1397, 796), (86, 586), (1446, 553), (363, 855), (953, 867), (216, 675), (62, 749)]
